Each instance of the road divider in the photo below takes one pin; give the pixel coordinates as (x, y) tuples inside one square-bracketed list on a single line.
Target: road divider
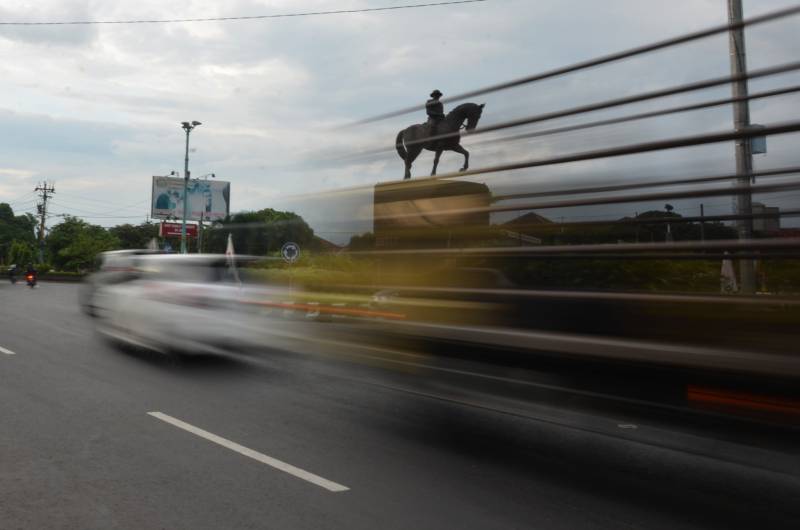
[(255, 455)]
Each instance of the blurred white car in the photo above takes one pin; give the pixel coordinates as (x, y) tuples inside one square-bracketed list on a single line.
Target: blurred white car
[(178, 303), (116, 266)]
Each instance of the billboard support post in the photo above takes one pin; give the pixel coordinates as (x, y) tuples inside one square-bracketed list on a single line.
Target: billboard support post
[(200, 234)]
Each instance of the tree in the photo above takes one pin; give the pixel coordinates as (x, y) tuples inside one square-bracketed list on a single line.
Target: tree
[(134, 236), (364, 241), (6, 213), (81, 253), (258, 233), (73, 244), (21, 253), (19, 228)]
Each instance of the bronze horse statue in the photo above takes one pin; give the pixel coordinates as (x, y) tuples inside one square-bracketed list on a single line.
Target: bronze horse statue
[(412, 140)]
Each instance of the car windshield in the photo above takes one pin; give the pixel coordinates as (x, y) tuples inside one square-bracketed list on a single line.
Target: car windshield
[(402, 264)]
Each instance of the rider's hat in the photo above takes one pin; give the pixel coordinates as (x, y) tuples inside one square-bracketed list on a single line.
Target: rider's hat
[(436, 94)]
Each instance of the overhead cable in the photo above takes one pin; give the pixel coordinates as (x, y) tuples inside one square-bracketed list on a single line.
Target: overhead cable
[(234, 18)]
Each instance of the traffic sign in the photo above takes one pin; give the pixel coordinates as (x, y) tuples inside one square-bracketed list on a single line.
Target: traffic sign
[(290, 252)]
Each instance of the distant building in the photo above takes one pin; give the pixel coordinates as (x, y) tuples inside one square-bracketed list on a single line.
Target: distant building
[(324, 245), (520, 229), (529, 219), (766, 224)]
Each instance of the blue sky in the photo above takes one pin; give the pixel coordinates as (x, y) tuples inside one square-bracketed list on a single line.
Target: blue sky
[(97, 108)]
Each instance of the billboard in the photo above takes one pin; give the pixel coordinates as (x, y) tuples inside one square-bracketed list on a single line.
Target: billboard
[(208, 199)]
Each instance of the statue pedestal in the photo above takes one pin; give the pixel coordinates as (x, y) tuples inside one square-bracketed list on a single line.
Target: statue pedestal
[(428, 213)]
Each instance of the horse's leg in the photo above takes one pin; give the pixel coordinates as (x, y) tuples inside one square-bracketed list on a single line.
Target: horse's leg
[(459, 149), (413, 153), (436, 161)]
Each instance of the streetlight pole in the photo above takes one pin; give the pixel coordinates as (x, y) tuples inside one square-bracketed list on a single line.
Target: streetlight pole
[(188, 128)]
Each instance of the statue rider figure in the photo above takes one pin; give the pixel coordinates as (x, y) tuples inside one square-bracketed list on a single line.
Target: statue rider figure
[(435, 110)]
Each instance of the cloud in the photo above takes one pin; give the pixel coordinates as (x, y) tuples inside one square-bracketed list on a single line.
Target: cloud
[(53, 36), (99, 107)]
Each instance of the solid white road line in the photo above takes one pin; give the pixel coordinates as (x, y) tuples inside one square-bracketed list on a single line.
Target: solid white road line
[(255, 455), (7, 352)]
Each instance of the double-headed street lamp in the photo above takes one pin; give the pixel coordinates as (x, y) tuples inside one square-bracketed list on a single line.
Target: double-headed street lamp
[(187, 126)]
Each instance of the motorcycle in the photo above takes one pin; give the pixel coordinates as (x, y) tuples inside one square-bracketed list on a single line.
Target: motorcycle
[(30, 278)]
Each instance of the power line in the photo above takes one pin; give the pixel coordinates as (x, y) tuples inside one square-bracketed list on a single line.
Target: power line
[(250, 17), (102, 216), (23, 204), (136, 204), (78, 209), (90, 199), (20, 199), (108, 212)]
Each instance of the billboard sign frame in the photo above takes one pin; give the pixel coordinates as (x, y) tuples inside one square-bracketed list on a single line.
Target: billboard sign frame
[(209, 200), (171, 229)]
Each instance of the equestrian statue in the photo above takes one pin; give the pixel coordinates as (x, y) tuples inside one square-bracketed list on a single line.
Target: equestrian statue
[(440, 133)]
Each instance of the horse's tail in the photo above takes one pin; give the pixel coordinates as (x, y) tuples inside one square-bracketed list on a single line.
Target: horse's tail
[(398, 144)]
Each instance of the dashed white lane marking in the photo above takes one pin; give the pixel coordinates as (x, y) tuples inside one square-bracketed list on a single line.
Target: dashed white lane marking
[(255, 455), (7, 352)]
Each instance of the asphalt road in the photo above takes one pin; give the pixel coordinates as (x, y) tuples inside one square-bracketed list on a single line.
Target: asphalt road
[(93, 436)]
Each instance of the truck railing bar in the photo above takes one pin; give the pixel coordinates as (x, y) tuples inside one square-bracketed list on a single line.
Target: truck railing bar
[(678, 298), (700, 256), (610, 347), (658, 220), (426, 181), (644, 115), (644, 147), (605, 59), (731, 245), (617, 102), (579, 126), (619, 199), (769, 173)]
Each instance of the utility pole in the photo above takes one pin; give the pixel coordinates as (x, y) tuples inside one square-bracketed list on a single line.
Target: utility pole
[(744, 156), (44, 192), (702, 223)]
